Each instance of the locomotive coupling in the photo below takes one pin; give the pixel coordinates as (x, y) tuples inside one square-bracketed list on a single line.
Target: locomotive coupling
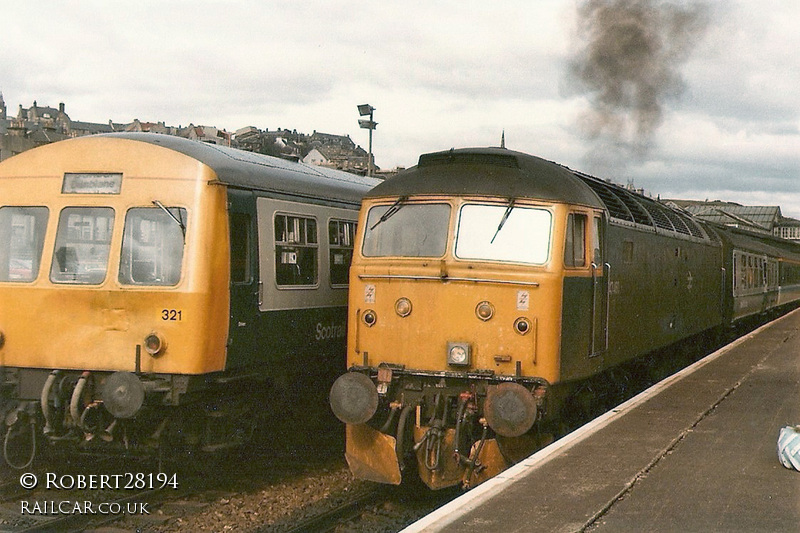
[(354, 398)]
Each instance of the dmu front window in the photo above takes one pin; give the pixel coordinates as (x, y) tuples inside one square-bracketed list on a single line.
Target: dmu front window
[(503, 233), (152, 246), (406, 230), (21, 239), (83, 241)]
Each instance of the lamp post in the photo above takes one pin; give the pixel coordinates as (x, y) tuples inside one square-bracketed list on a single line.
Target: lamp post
[(367, 110)]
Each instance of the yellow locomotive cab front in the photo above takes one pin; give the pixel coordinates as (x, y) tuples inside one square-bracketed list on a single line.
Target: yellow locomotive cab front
[(455, 314), (460, 342)]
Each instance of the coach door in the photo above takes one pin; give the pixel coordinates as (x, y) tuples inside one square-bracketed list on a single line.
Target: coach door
[(601, 272), (244, 290)]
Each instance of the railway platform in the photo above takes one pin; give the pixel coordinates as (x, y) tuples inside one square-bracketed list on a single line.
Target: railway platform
[(696, 452)]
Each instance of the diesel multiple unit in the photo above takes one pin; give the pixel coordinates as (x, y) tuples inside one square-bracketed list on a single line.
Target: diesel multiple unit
[(159, 291)]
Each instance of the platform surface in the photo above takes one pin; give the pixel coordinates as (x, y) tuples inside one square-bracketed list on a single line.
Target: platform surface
[(694, 453)]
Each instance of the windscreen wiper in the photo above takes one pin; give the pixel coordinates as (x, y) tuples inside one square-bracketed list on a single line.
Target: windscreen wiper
[(173, 217), (503, 220), (394, 208)]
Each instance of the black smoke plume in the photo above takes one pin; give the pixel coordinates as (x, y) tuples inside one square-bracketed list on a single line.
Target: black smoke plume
[(628, 67)]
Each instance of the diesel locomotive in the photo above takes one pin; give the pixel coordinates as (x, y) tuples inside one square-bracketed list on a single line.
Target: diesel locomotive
[(158, 293), (489, 286)]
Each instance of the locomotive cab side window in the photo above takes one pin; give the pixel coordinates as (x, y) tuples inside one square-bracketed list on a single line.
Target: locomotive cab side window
[(83, 242), (597, 242), (22, 232), (152, 246), (296, 251), (341, 235), (575, 242)]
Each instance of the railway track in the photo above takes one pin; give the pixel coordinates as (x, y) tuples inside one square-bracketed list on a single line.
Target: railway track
[(330, 519)]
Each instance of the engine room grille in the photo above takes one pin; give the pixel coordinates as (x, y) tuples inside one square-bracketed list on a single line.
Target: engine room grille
[(625, 205)]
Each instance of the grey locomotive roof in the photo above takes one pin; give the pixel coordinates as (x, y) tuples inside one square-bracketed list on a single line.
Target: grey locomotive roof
[(249, 170), (509, 174), (491, 172)]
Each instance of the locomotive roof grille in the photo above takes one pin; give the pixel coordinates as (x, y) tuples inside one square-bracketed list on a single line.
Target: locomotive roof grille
[(616, 207), (680, 225), (624, 205), (468, 158), (639, 214), (660, 218)]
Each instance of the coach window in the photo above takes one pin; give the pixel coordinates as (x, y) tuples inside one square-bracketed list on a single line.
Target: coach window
[(152, 246), (296, 247), (83, 241), (341, 235), (575, 245), (21, 239)]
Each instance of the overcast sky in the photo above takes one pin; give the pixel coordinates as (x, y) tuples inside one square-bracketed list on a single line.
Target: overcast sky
[(708, 108)]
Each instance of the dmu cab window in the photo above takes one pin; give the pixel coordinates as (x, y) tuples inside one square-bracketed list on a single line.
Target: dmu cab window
[(575, 245), (83, 241), (406, 230), (152, 246), (503, 233), (296, 251), (21, 240), (341, 235)]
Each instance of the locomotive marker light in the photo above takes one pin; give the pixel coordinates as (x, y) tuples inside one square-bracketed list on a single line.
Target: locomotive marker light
[(510, 409), (522, 325), (369, 317), (354, 398), (458, 353), (403, 307), (123, 394), (484, 311), (154, 344)]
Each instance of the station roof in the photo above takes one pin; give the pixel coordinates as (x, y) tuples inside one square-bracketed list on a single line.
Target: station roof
[(763, 218)]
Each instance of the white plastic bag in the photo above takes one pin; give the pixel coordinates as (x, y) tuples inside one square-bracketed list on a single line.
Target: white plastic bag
[(789, 447)]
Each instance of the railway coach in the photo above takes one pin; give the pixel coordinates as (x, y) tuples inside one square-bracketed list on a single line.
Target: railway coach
[(492, 291), (160, 293)]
